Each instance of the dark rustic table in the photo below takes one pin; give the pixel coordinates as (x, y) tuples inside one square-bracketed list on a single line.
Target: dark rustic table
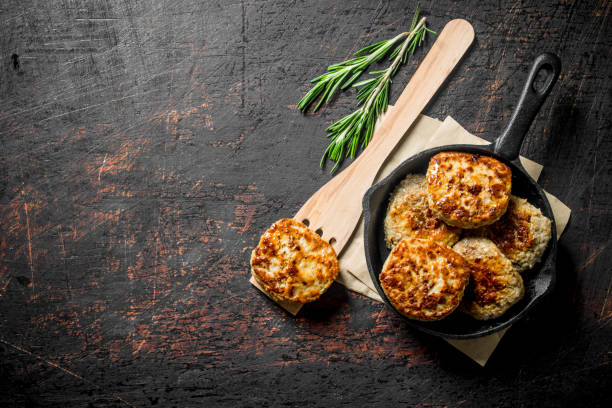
[(147, 145)]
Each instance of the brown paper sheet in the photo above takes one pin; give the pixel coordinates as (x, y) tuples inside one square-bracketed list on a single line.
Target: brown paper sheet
[(424, 134)]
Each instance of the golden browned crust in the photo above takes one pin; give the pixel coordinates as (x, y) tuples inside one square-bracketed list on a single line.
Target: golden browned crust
[(522, 234), (495, 285), (291, 262), (468, 190), (424, 280), (409, 215)]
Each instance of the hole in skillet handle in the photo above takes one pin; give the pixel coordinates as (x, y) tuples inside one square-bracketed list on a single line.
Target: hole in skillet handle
[(542, 79), (508, 145)]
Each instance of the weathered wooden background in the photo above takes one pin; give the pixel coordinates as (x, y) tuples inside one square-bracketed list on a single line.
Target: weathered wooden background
[(146, 145)]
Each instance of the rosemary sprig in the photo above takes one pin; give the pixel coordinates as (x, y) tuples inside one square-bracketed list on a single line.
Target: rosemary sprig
[(373, 97)]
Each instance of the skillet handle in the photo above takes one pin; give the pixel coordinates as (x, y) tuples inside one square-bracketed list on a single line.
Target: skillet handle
[(508, 145)]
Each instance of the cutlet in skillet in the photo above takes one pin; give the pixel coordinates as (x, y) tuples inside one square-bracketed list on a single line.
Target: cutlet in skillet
[(424, 280), (468, 190), (522, 234), (495, 285), (409, 215)]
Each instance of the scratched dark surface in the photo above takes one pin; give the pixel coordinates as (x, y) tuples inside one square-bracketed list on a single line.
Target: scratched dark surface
[(146, 145)]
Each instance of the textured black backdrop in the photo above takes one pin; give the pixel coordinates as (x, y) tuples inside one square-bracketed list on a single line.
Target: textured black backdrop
[(146, 145)]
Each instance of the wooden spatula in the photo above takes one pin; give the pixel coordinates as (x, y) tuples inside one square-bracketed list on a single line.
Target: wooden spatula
[(334, 210)]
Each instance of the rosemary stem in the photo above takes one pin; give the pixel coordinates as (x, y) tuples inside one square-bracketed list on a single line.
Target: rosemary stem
[(397, 60)]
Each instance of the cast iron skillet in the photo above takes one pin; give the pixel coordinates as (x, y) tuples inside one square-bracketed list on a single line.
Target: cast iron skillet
[(539, 280)]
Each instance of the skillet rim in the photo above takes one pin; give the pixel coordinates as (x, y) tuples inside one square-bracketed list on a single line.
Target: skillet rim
[(547, 264)]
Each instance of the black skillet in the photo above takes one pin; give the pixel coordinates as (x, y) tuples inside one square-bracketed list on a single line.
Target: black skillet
[(539, 280)]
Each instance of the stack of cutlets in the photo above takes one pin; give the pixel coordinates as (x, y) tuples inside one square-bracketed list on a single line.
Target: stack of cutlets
[(430, 271)]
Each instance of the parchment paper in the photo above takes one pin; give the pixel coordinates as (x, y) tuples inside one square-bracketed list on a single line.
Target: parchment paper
[(424, 134)]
